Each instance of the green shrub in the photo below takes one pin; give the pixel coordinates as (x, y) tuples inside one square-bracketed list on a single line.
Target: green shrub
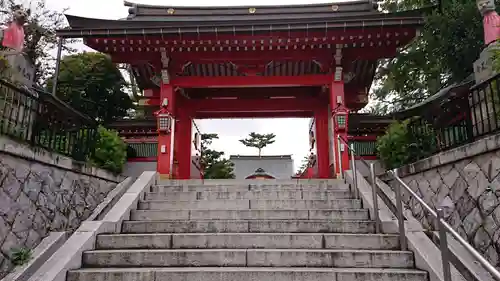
[(110, 151), (21, 256), (400, 145)]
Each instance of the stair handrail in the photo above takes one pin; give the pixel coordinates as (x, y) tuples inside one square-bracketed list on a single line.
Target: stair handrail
[(372, 181), (443, 228)]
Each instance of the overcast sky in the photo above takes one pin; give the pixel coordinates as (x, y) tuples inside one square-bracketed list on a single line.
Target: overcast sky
[(291, 134)]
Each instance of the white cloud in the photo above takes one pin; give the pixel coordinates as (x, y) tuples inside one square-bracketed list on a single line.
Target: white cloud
[(291, 134)]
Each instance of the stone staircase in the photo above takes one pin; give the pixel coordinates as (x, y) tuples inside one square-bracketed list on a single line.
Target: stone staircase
[(248, 233)]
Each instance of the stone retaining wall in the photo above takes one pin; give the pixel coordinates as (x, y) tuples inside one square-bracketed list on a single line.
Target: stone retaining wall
[(466, 180), (42, 192)]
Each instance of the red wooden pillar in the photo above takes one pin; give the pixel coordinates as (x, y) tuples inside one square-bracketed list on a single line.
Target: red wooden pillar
[(166, 140), (339, 116), (322, 143), (183, 138)]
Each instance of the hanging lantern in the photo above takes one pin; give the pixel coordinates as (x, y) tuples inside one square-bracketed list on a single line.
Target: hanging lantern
[(164, 124), (341, 119)]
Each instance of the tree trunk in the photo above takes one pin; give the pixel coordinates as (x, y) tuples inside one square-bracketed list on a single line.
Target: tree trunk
[(259, 151)]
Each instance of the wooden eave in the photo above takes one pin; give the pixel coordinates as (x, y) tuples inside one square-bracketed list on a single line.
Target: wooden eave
[(232, 24)]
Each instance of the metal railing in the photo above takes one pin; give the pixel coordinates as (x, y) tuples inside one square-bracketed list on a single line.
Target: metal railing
[(44, 121), (372, 180), (458, 118), (443, 228)]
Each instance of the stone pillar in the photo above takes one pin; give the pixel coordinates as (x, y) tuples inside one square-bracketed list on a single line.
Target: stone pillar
[(339, 112)]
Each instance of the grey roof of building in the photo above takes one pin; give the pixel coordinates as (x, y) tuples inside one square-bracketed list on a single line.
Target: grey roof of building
[(149, 19), (263, 157)]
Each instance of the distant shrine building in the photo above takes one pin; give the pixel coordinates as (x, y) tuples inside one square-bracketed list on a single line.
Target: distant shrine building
[(314, 61)]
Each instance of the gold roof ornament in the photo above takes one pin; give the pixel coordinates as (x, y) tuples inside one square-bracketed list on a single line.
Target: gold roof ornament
[(171, 11), (252, 10)]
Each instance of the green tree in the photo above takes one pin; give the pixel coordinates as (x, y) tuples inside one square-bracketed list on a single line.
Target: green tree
[(215, 166), (258, 141), (449, 43), (110, 151), (91, 83), (400, 145), (303, 165)]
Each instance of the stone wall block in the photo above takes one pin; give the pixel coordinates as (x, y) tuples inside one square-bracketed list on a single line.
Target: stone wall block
[(11, 185), (450, 177), (4, 229), (490, 225), (482, 240), (458, 189), (32, 186), (492, 255), (490, 165), (5, 266), (465, 205), (10, 243), (454, 219), (472, 222), (487, 202), (45, 206), (33, 239), (443, 192), (8, 207), (477, 185)]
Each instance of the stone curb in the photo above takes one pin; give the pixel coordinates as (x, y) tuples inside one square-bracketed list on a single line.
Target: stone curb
[(69, 256), (41, 253)]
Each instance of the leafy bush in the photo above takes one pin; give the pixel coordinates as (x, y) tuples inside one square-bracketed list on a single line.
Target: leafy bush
[(400, 145), (110, 151), (21, 256)]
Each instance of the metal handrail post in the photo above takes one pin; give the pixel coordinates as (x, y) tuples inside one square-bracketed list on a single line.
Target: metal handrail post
[(401, 220), (373, 180), (443, 245), (339, 150), (354, 173)]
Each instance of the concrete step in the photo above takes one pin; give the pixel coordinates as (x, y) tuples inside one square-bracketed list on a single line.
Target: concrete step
[(246, 274), (250, 204), (248, 257), (253, 226), (248, 241), (338, 214), (249, 187), (251, 195)]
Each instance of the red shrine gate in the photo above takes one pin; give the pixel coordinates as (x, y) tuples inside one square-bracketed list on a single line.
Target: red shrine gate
[(269, 61)]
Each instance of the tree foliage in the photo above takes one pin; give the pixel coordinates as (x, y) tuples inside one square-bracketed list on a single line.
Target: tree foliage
[(400, 145), (91, 83), (110, 151), (449, 43), (303, 165), (258, 141), (40, 35), (215, 166)]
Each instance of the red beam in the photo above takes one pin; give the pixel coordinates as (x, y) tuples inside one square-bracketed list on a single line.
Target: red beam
[(254, 105), (249, 56), (251, 81), (252, 57), (276, 38)]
